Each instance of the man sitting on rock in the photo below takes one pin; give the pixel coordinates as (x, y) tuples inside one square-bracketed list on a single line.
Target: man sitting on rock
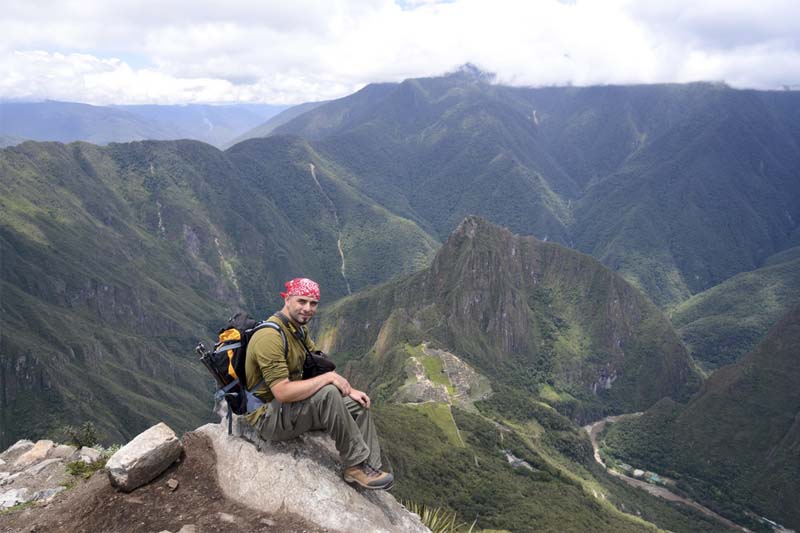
[(326, 402)]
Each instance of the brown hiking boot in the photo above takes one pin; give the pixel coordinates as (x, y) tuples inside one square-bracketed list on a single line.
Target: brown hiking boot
[(368, 477)]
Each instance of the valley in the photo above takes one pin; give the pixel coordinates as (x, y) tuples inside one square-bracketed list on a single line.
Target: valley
[(595, 429)]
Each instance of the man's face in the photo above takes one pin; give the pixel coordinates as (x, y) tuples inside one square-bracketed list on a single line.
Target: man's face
[(301, 308)]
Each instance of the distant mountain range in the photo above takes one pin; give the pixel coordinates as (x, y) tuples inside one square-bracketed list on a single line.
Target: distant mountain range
[(265, 129), (68, 122), (678, 187)]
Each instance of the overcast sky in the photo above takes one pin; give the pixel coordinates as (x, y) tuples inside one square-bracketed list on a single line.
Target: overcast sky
[(287, 52)]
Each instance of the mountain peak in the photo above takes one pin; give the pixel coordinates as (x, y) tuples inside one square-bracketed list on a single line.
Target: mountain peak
[(520, 306), (470, 72), (474, 226)]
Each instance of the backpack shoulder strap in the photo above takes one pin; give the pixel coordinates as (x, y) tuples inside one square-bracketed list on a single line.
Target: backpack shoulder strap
[(271, 325)]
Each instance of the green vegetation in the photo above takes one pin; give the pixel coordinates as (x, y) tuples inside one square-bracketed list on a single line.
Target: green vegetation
[(435, 371), (516, 424), (18, 507), (676, 187), (117, 260), (440, 414), (732, 446), (85, 435), (438, 520), (725, 322), (85, 470), (473, 481)]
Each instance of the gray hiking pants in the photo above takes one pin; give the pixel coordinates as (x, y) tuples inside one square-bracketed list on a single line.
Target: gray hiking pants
[(344, 419)]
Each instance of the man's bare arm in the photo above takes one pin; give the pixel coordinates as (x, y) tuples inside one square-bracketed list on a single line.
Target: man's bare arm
[(286, 391)]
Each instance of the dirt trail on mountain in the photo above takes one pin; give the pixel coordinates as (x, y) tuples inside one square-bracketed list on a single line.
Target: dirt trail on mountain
[(95, 506), (595, 429)]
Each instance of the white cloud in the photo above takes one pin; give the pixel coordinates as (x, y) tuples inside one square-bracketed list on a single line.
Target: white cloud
[(178, 51)]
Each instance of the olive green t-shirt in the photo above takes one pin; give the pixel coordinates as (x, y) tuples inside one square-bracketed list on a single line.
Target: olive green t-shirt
[(265, 359)]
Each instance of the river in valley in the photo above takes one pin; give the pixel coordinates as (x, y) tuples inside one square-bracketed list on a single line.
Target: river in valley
[(656, 490)]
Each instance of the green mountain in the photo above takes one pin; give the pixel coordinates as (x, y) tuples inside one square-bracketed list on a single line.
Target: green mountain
[(678, 187), (737, 443), (116, 260), (486, 356), (69, 121), (727, 321), (535, 316)]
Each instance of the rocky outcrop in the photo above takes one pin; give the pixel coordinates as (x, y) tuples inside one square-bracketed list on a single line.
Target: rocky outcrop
[(302, 477), (144, 458), (37, 471), (258, 484)]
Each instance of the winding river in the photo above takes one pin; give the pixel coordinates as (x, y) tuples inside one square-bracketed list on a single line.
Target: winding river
[(662, 492)]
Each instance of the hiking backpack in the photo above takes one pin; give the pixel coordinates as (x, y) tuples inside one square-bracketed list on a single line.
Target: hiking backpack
[(227, 363)]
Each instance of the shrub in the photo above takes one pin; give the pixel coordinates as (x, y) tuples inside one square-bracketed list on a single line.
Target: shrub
[(85, 435)]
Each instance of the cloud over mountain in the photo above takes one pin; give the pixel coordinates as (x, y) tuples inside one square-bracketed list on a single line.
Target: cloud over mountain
[(117, 52)]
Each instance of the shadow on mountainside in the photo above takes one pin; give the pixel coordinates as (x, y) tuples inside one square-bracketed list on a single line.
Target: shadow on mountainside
[(198, 501)]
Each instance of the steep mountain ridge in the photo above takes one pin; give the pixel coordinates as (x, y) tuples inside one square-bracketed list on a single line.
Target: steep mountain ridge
[(528, 313), (678, 187)]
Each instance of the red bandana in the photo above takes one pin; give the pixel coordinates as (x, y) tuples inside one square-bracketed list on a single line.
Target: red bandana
[(301, 287)]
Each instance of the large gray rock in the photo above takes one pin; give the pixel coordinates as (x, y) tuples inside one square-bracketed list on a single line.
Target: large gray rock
[(144, 458), (301, 476), (15, 450), (47, 494), (62, 451), (14, 497), (90, 455), (41, 466), (35, 454)]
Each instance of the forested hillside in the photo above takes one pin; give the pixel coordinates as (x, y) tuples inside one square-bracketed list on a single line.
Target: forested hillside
[(678, 187), (727, 321), (116, 260), (736, 443)]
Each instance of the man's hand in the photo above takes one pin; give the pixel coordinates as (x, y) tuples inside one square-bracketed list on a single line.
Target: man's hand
[(342, 384), (360, 397)]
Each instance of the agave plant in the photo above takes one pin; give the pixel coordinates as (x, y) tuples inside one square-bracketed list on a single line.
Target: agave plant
[(437, 519)]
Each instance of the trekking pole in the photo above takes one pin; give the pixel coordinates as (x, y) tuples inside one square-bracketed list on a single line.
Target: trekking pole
[(206, 359)]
